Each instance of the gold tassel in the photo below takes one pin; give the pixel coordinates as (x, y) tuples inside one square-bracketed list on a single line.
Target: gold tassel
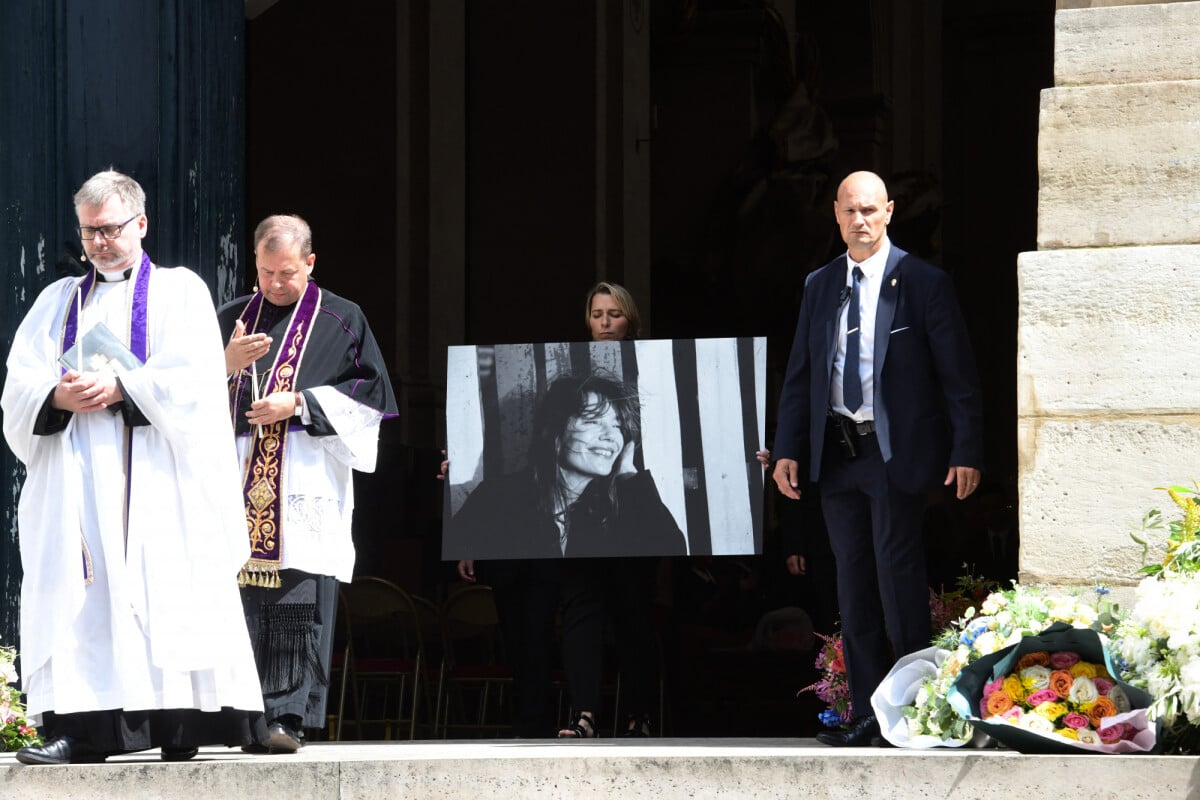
[(259, 576)]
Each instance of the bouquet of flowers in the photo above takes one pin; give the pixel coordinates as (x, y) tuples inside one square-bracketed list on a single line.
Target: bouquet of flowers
[(912, 704), (15, 730), (832, 688), (1055, 693), (1062, 694), (1157, 646)]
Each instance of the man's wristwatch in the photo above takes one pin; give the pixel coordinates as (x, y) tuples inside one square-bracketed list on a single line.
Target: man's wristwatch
[(299, 412)]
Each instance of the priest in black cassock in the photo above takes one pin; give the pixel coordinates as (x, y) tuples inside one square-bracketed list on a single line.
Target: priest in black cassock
[(308, 389)]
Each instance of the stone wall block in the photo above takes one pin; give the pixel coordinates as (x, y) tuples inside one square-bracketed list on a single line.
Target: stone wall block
[(1085, 485), (1127, 44), (1109, 331), (1119, 165)]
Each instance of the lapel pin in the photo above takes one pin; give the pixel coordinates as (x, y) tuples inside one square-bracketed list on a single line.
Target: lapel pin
[(893, 281)]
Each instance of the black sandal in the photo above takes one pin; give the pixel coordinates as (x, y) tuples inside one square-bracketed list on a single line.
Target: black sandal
[(582, 727), (637, 727)]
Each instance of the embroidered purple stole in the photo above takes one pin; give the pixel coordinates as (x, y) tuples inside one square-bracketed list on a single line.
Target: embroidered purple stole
[(136, 335), (263, 482)]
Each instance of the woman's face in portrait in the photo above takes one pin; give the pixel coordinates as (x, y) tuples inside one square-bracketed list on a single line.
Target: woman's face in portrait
[(592, 440), (607, 321)]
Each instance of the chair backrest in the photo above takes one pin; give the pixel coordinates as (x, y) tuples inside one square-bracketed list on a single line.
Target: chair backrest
[(383, 620), (470, 627)]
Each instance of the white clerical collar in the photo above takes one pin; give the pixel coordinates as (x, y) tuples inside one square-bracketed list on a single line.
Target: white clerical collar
[(114, 277)]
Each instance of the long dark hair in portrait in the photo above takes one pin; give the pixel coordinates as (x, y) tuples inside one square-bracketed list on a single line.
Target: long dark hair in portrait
[(578, 398)]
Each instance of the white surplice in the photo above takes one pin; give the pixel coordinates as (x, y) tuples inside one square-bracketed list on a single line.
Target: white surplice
[(318, 485), (160, 626)]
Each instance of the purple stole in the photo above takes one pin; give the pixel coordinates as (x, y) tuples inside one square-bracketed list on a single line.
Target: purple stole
[(263, 482), (136, 335)]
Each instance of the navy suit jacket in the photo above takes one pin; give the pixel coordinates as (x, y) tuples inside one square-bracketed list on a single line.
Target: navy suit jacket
[(928, 410)]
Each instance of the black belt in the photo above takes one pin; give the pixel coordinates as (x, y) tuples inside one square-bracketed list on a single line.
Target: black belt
[(860, 428)]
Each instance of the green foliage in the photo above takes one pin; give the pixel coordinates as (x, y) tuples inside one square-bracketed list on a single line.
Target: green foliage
[(1178, 534)]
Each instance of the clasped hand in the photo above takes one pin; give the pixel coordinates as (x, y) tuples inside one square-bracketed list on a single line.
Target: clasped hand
[(83, 393), (274, 407)]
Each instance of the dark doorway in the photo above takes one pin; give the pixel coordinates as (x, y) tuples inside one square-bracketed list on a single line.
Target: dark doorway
[(759, 109)]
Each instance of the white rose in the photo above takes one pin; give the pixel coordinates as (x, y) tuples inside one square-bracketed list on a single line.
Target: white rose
[(1083, 690), (1120, 699), (987, 643), (1088, 736), (1037, 723), (1036, 677)]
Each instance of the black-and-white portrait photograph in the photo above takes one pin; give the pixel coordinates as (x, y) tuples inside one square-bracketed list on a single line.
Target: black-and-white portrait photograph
[(633, 448)]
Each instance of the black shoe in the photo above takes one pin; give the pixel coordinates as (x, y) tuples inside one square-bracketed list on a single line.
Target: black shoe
[(60, 750), (637, 727), (283, 738), (861, 733), (255, 749), (179, 753)]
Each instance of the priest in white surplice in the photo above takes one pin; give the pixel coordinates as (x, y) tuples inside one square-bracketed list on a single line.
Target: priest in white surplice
[(308, 388), (130, 520)]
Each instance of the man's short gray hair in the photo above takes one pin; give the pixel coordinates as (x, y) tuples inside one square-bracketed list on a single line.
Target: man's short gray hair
[(281, 231), (97, 189)]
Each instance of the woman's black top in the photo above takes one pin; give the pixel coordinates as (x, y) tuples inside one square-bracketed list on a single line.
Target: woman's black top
[(503, 519)]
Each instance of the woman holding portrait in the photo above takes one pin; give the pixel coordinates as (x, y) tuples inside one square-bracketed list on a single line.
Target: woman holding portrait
[(581, 498)]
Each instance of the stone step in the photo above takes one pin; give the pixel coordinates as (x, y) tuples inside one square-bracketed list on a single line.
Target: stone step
[(609, 768)]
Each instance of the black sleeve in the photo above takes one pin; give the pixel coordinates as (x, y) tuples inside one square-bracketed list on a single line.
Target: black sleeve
[(649, 526), (51, 420), (132, 415)]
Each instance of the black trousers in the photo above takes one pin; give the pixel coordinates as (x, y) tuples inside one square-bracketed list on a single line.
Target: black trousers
[(622, 590), (119, 731), (527, 594), (875, 534), (291, 629)]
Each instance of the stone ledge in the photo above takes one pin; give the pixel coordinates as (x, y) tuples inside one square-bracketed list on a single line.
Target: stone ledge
[(1139, 43), (1118, 165), (607, 768), (1106, 331)]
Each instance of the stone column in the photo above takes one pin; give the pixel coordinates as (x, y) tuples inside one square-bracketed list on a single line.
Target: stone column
[(1108, 379)]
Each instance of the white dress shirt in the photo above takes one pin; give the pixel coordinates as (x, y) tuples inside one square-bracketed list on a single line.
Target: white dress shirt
[(868, 297)]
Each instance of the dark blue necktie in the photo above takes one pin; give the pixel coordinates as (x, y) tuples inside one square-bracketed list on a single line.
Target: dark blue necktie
[(851, 382)]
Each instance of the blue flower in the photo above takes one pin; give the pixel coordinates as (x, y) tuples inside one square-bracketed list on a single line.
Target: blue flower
[(830, 718)]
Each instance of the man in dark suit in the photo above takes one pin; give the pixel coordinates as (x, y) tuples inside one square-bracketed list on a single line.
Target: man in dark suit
[(882, 401)]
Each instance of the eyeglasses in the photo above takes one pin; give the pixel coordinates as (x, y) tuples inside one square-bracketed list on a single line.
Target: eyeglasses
[(87, 233)]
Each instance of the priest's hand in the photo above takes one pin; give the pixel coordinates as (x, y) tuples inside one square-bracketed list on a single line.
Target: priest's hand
[(243, 350), (274, 407), (86, 392)]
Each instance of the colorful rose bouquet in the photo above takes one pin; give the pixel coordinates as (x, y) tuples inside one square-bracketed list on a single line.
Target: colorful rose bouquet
[(912, 703), (1062, 694), (15, 730), (1055, 693)]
